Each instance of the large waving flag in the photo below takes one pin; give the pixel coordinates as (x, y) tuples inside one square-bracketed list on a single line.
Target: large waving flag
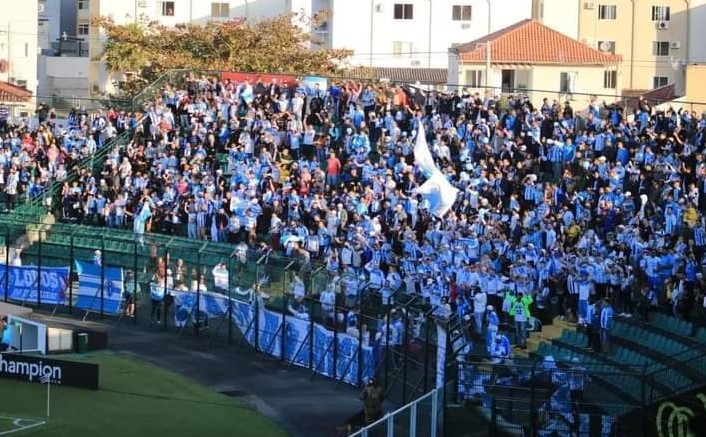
[(438, 191), (89, 287)]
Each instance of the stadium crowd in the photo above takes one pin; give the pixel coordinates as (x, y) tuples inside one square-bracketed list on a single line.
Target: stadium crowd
[(557, 214)]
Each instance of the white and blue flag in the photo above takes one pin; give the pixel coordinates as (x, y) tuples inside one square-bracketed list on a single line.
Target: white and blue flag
[(90, 283), (437, 190)]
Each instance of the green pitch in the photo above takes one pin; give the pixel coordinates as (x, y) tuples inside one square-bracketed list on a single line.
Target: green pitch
[(135, 399)]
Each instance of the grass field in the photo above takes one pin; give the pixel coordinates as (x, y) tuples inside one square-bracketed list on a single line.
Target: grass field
[(135, 399)]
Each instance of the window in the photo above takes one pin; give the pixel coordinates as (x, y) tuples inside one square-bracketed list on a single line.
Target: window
[(82, 29), (474, 78), (660, 81), (606, 46), (166, 9), (83, 5), (220, 10), (660, 13), (402, 48), (404, 11), (461, 13), (567, 82), (660, 48), (607, 12), (610, 79)]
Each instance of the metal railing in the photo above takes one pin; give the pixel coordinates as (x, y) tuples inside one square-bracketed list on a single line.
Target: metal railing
[(423, 417)]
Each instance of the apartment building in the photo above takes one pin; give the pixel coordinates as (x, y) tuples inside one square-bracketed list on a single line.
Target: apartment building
[(654, 37), (381, 33), (18, 47), (416, 33)]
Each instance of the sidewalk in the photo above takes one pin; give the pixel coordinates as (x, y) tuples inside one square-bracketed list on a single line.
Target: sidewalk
[(304, 407)]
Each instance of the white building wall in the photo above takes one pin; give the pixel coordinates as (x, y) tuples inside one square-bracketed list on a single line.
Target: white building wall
[(369, 28), (697, 50), (560, 15), (18, 42)]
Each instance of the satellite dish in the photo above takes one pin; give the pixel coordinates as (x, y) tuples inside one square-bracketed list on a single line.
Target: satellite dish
[(605, 46)]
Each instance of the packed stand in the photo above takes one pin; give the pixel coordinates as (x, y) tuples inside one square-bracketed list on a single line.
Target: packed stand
[(558, 215), (40, 149)]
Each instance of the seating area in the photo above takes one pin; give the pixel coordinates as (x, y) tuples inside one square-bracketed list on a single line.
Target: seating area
[(667, 353)]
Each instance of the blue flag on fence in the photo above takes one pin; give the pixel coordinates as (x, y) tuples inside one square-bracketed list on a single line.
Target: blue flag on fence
[(23, 282), (90, 283)]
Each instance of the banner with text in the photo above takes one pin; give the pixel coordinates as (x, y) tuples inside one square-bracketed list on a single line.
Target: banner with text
[(23, 282)]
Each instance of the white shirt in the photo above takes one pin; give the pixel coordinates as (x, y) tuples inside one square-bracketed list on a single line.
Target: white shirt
[(220, 277)]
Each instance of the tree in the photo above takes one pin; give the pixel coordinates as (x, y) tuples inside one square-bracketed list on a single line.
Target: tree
[(275, 45)]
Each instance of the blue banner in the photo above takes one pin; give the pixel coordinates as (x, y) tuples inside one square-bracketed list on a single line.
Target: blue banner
[(297, 341), (210, 304), (24, 280), (297, 344), (91, 280)]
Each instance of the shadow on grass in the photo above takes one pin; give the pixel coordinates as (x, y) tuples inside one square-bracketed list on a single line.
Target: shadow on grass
[(180, 399)]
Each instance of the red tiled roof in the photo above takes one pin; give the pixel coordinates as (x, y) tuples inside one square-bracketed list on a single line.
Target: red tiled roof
[(530, 42), (13, 93)]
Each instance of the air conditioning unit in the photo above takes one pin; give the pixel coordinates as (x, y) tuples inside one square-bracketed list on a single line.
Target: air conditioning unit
[(466, 26), (378, 8), (662, 25), (675, 45), (589, 5), (606, 46), (416, 63)]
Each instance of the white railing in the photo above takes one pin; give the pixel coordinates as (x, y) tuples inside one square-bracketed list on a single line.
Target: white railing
[(410, 414)]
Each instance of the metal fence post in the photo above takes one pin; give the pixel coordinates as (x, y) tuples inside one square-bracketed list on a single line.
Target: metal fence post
[(533, 398), (405, 346), (72, 272), (283, 341), (165, 301), (335, 341), (230, 301), (387, 347), (434, 412), (39, 268), (427, 339), (311, 337), (360, 348), (7, 264), (257, 324), (198, 296), (102, 259), (135, 284), (643, 395)]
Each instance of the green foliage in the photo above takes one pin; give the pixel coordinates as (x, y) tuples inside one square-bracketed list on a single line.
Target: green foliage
[(283, 44)]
